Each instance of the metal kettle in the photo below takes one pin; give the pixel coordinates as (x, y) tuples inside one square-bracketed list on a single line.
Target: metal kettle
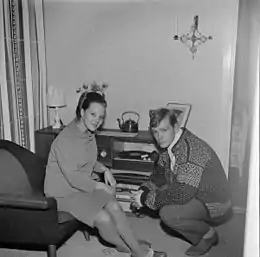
[(130, 125)]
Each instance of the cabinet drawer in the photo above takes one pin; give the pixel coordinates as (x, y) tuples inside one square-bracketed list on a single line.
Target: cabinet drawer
[(128, 164)]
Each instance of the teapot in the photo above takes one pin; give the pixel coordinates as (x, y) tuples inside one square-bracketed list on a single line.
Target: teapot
[(130, 126)]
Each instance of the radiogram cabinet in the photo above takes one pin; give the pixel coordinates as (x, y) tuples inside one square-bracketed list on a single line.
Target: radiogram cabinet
[(110, 142)]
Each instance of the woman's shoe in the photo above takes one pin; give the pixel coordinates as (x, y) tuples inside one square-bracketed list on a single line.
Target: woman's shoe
[(153, 253), (145, 245), (159, 254), (203, 246)]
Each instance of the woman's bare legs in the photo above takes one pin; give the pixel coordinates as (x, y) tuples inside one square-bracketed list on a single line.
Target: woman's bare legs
[(108, 231), (124, 229), (113, 226)]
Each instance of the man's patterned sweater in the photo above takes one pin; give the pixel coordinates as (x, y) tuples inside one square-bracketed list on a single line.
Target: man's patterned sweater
[(197, 173)]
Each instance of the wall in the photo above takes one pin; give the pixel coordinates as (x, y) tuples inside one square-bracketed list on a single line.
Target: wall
[(130, 46), (245, 83)]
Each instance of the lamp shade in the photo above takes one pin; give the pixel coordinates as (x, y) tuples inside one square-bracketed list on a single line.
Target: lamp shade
[(56, 97)]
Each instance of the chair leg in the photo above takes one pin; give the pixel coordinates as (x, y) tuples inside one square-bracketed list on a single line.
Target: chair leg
[(52, 251)]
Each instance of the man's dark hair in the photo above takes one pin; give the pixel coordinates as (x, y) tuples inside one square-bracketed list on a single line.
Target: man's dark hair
[(157, 115)]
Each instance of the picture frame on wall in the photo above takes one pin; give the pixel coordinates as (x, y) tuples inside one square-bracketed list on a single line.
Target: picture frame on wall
[(182, 112)]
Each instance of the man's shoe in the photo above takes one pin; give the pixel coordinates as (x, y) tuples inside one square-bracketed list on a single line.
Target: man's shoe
[(203, 246)]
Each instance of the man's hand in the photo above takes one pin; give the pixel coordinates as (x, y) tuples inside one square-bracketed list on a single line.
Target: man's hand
[(135, 199), (109, 179)]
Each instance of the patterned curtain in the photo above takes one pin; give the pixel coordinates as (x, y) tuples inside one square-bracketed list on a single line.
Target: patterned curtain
[(23, 71)]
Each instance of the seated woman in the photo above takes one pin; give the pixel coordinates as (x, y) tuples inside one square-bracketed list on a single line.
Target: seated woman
[(71, 179), (188, 187)]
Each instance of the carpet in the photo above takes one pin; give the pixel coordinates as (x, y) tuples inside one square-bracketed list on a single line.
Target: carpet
[(231, 242)]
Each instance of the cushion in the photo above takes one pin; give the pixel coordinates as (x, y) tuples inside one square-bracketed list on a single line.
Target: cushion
[(13, 178)]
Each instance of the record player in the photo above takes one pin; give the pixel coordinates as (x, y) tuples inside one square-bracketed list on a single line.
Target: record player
[(135, 160)]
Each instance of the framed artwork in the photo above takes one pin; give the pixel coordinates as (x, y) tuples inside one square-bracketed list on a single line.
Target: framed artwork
[(182, 112)]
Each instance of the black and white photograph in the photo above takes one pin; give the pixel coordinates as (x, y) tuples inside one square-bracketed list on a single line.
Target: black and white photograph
[(129, 128)]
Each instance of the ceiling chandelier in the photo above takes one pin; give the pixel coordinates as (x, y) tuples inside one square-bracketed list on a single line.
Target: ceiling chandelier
[(193, 38)]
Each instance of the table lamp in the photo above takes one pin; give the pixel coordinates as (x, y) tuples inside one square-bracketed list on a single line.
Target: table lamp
[(56, 100)]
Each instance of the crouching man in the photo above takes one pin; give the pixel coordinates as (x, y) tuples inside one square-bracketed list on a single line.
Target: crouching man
[(188, 187)]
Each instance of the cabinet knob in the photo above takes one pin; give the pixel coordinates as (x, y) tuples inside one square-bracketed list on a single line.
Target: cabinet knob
[(103, 153)]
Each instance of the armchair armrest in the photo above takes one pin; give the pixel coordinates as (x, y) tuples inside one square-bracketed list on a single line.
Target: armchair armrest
[(27, 202)]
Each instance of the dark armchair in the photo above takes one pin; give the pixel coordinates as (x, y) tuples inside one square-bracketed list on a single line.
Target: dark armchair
[(28, 219)]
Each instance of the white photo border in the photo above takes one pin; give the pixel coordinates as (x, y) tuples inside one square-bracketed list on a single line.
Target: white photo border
[(182, 112)]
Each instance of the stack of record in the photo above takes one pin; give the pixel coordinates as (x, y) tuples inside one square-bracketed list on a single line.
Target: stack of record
[(123, 195)]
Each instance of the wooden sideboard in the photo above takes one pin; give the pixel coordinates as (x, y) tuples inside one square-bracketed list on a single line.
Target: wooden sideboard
[(107, 142)]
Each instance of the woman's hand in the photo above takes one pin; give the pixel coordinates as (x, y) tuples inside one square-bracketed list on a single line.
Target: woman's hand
[(109, 179), (107, 188)]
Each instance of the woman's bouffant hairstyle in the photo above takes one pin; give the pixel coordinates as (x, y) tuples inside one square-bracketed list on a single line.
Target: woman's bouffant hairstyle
[(156, 116), (86, 99)]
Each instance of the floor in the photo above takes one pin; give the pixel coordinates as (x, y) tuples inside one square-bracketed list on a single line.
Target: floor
[(231, 241)]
